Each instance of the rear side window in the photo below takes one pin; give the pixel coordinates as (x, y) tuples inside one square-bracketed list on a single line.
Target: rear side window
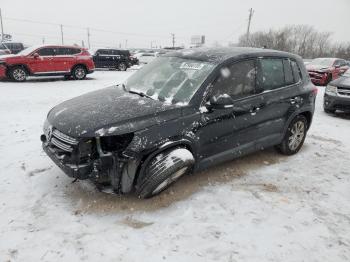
[(46, 51), (271, 73), (288, 72), (296, 71), (237, 80)]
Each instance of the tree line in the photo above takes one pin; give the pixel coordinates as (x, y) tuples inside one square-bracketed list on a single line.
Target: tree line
[(303, 40)]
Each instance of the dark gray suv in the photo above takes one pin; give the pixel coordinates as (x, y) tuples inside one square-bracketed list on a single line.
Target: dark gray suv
[(183, 112)]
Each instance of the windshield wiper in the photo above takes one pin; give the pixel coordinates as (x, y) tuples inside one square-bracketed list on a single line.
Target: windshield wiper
[(142, 94)]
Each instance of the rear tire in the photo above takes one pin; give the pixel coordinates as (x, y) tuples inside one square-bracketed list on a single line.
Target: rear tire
[(18, 74), (122, 67), (79, 72), (163, 170), (294, 137)]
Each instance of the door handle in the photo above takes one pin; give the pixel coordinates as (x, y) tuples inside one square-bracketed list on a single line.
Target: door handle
[(295, 100), (254, 110)]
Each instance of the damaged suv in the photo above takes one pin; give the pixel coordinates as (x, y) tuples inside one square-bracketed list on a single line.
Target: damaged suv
[(182, 113)]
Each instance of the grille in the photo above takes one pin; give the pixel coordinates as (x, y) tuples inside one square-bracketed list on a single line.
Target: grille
[(62, 141), (343, 91)]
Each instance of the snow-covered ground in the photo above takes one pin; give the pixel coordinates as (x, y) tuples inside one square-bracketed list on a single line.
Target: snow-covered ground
[(263, 207)]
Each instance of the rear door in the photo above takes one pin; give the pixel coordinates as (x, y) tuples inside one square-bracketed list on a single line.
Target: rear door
[(64, 59), (279, 81), (42, 64)]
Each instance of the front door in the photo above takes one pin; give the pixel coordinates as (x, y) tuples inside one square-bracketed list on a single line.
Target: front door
[(228, 132), (42, 64)]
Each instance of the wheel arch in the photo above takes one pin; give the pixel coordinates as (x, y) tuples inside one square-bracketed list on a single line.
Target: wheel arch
[(25, 67), (79, 64), (307, 113), (146, 159)]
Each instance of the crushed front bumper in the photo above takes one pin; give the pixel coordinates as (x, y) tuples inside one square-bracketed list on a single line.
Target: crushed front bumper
[(319, 78), (83, 171), (2, 71)]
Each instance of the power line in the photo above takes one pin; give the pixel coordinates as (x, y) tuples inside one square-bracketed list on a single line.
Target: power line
[(91, 28)]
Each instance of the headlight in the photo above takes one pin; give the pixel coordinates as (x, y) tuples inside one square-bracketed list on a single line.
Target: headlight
[(331, 90)]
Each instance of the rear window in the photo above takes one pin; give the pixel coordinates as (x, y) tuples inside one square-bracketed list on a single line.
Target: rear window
[(277, 72), (271, 73), (67, 51)]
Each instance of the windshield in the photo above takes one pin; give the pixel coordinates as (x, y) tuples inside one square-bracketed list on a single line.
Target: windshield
[(322, 61), (28, 50), (170, 79)]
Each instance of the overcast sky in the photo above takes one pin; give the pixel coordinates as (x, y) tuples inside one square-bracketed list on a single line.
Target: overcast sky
[(142, 23)]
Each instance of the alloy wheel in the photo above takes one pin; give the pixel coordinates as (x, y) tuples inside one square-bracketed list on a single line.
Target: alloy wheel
[(297, 135), (19, 74)]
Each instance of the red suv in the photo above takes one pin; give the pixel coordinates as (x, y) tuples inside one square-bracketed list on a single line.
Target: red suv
[(324, 70), (69, 61)]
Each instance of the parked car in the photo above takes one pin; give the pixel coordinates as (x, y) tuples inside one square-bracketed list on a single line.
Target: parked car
[(183, 112), (14, 47), (47, 60), (114, 58), (145, 58), (337, 94), (324, 70), (4, 50)]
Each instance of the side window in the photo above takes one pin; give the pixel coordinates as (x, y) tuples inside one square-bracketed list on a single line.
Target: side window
[(237, 80), (288, 72), (296, 71), (45, 51), (271, 73)]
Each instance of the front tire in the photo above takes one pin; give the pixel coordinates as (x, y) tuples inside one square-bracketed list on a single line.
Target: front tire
[(79, 73), (163, 170), (329, 111), (18, 74), (294, 137)]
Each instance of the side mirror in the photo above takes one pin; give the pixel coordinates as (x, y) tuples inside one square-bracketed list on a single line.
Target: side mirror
[(97, 54), (220, 102), (36, 55)]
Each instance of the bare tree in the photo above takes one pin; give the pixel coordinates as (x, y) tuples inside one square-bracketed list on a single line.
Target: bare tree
[(303, 40)]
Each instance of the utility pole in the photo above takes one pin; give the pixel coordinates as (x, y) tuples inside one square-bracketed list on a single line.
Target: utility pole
[(43, 40), (2, 27), (126, 43), (251, 12), (173, 35), (88, 36), (62, 34)]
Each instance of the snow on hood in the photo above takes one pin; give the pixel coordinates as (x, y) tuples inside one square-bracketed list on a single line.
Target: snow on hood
[(109, 111), (7, 56)]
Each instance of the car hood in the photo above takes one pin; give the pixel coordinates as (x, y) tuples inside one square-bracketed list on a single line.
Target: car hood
[(343, 81), (317, 67), (109, 111)]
